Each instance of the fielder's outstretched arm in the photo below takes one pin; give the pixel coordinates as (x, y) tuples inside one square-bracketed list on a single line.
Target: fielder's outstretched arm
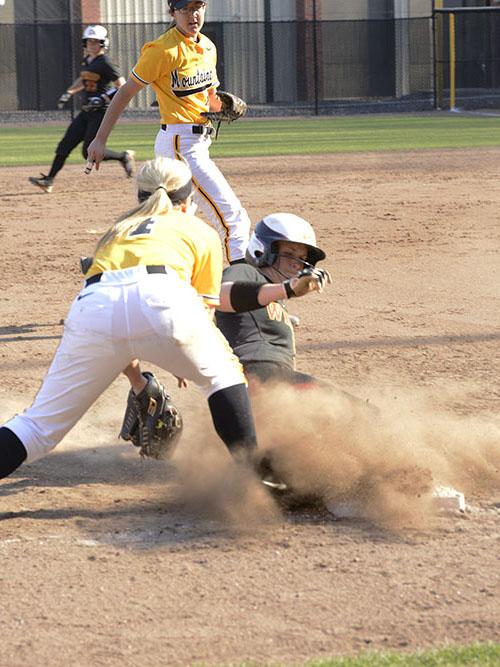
[(118, 104)]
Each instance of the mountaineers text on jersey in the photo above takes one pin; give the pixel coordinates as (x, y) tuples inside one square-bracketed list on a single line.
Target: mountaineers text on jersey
[(180, 71)]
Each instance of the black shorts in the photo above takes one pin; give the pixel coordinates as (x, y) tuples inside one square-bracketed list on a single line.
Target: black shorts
[(272, 372)]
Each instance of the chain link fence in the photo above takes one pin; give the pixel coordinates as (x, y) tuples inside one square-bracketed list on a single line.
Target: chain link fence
[(307, 67), (467, 56), (290, 63)]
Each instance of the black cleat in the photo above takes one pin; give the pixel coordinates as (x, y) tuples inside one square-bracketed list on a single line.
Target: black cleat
[(44, 182), (269, 478)]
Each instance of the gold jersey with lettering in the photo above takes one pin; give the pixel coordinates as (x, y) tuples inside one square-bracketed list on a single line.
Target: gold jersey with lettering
[(177, 240), (181, 71)]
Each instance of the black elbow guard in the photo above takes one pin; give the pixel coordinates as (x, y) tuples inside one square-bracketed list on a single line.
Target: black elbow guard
[(244, 296)]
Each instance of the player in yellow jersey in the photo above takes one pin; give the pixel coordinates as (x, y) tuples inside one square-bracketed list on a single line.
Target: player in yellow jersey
[(181, 67), (155, 278)]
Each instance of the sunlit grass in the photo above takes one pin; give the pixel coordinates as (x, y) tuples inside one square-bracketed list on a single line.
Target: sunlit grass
[(287, 136)]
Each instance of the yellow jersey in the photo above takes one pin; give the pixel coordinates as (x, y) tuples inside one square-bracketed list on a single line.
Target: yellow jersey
[(180, 71), (177, 240)]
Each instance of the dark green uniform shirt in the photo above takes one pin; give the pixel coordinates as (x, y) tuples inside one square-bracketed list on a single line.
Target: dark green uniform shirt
[(265, 334)]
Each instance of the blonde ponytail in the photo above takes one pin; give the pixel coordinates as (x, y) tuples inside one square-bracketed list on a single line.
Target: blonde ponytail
[(158, 177)]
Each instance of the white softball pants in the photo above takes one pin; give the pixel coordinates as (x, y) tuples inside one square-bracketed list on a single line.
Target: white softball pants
[(213, 194), (128, 315)]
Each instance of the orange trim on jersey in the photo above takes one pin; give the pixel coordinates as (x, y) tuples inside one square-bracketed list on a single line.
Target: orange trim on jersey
[(178, 155)]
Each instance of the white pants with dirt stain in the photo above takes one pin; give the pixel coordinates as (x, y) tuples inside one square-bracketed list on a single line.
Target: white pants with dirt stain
[(128, 315)]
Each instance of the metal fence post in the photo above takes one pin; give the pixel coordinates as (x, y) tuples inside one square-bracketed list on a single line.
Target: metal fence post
[(437, 32), (72, 61), (453, 62), (316, 59), (268, 50), (37, 51)]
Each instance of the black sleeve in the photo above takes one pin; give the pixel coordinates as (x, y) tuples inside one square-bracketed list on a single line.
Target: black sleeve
[(248, 281), (244, 296)]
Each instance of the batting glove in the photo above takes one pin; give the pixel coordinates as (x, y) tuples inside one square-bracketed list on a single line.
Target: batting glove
[(63, 100), (307, 280)]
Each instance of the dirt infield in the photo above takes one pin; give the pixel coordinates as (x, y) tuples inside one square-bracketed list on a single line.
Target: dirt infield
[(107, 560)]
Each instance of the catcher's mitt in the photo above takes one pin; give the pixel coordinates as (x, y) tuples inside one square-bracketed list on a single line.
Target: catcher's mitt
[(151, 421), (232, 108)]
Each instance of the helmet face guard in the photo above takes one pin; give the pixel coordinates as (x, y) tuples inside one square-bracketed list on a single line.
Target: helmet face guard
[(263, 245)]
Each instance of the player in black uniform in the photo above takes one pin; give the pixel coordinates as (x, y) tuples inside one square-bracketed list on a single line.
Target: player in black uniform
[(99, 79), (281, 246)]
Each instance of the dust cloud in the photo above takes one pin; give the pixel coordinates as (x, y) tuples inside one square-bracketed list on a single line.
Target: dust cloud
[(386, 460), (383, 458), (213, 486)]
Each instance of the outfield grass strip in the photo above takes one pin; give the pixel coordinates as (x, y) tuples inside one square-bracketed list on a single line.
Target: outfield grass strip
[(484, 655), (260, 138), (476, 655)]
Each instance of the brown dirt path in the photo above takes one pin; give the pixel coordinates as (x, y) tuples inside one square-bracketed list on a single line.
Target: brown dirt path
[(110, 561)]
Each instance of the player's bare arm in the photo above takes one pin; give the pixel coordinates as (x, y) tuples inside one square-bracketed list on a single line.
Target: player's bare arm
[(118, 104), (76, 86), (135, 377), (214, 102)]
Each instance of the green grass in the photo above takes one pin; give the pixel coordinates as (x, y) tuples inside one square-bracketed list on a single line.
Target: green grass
[(35, 146), (483, 655), (290, 136)]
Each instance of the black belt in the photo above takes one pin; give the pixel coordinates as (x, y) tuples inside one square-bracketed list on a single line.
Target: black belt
[(197, 129), (149, 269)]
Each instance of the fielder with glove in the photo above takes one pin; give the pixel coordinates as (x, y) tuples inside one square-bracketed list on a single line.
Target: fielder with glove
[(181, 67), (151, 289)]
